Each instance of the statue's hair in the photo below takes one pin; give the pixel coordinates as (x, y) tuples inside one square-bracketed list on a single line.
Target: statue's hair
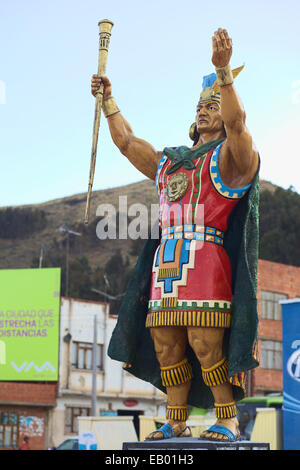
[(195, 136)]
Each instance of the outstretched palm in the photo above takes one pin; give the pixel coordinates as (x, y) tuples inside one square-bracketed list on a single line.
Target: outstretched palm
[(222, 48)]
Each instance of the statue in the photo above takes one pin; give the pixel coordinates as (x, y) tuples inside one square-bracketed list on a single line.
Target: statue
[(188, 323)]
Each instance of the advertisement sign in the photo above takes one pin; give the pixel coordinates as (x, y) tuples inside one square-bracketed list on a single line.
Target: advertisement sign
[(29, 324), (130, 403), (291, 373), (108, 413)]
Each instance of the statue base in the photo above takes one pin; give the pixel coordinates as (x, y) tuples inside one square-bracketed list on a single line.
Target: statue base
[(194, 443)]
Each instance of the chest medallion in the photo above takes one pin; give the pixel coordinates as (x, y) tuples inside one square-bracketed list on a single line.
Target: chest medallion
[(177, 187)]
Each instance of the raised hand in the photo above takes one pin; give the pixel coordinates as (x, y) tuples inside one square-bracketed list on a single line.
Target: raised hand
[(222, 48)]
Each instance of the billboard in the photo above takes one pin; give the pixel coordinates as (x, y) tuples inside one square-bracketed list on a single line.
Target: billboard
[(291, 373), (29, 324)]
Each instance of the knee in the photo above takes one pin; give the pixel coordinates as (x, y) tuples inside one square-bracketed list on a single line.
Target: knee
[(169, 349), (208, 353), (169, 354)]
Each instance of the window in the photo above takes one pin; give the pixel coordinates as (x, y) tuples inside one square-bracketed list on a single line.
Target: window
[(71, 421), (271, 355), (269, 307), (82, 356), (9, 423)]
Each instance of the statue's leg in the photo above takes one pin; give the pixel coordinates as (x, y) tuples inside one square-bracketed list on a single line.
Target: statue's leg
[(170, 346), (207, 345)]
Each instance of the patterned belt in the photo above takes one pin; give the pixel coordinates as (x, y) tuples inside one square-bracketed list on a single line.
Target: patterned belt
[(193, 232)]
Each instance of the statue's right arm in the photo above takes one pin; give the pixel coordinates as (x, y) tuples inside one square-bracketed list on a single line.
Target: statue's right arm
[(139, 152)]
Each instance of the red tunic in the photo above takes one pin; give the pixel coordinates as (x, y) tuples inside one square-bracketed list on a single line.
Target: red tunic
[(191, 275)]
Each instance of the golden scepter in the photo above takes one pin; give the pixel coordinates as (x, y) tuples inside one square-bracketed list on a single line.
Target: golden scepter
[(104, 37)]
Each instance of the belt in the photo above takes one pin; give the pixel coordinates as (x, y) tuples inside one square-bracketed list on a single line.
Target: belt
[(193, 232)]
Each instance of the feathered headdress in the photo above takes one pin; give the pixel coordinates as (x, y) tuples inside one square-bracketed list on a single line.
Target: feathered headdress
[(211, 92), (210, 87)]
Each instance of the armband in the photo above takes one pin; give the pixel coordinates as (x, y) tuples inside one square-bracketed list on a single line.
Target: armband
[(110, 107), (224, 76)]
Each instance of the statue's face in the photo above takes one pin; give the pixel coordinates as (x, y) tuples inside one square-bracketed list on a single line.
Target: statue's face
[(208, 117), (177, 187)]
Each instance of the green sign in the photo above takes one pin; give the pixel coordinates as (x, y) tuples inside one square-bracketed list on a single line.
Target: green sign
[(29, 324)]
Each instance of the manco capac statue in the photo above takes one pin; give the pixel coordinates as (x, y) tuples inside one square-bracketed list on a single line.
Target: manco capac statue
[(188, 322)]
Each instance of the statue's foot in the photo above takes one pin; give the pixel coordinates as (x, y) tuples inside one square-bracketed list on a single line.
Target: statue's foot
[(223, 430), (170, 430)]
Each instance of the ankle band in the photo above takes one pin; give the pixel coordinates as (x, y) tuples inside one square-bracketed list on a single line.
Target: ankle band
[(177, 374), (225, 410), (217, 374), (177, 413)]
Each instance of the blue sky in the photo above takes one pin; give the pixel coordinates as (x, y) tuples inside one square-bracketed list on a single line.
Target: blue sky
[(159, 52)]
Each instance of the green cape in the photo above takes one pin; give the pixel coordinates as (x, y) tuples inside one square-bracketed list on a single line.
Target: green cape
[(131, 342)]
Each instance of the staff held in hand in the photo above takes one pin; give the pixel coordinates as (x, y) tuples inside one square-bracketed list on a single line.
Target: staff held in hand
[(105, 27)]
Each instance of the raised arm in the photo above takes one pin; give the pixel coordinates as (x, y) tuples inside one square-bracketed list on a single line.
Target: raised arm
[(139, 152), (238, 158)]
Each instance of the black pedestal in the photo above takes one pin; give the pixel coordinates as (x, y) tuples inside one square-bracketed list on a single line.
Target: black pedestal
[(194, 443)]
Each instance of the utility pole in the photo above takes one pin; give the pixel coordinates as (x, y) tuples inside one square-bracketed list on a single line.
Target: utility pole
[(94, 367), (41, 255), (67, 265), (65, 229)]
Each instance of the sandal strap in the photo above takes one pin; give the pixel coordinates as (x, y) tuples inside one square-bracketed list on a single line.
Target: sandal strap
[(166, 430), (222, 430), (185, 429)]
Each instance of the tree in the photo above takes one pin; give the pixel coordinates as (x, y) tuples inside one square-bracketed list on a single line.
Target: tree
[(279, 226), (20, 223), (117, 272)]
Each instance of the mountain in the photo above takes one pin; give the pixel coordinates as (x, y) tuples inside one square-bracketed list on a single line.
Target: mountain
[(30, 236), (20, 251)]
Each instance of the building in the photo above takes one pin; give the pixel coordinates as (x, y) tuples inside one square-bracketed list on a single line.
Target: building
[(118, 392), (47, 411), (26, 410), (276, 282), (29, 339)]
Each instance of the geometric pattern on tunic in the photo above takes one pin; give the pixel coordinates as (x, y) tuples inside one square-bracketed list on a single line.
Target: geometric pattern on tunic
[(183, 228), (159, 168), (218, 305), (217, 181), (197, 318), (172, 261), (193, 232)]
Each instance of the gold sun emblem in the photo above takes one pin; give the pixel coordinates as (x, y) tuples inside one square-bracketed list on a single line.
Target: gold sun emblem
[(177, 186)]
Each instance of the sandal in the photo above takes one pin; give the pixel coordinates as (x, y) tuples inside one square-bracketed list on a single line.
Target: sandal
[(168, 432), (224, 431)]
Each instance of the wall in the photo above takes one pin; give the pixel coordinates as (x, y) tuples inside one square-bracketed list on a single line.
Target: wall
[(28, 392), (31, 421), (114, 385), (281, 278), (32, 402), (77, 319)]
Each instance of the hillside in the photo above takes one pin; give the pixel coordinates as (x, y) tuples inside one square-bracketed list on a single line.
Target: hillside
[(20, 252), (25, 229)]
